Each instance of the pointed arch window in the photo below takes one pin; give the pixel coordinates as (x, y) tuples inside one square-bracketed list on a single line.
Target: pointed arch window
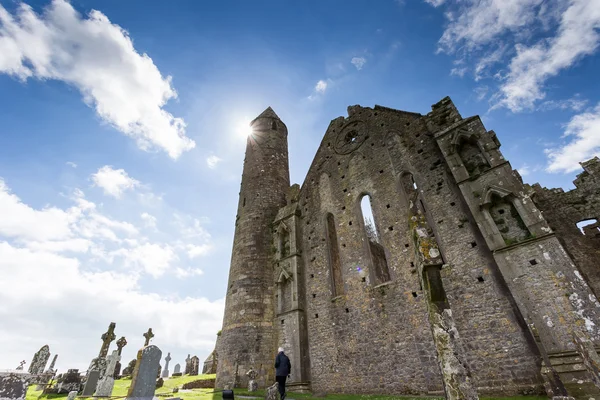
[(379, 266), (467, 147), (335, 267)]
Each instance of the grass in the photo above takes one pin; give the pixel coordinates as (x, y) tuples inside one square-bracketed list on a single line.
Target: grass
[(121, 386)]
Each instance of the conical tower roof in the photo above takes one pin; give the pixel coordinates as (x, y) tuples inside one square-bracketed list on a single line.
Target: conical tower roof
[(268, 113)]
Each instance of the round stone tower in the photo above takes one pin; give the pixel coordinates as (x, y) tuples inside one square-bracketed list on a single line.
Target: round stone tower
[(248, 339)]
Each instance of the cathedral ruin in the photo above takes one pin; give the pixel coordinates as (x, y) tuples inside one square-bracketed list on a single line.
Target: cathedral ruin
[(466, 281)]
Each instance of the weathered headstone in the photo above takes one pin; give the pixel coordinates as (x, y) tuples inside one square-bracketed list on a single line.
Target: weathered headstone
[(70, 381), (252, 384), (143, 379), (20, 367), (40, 359), (91, 383), (177, 369), (51, 367), (195, 363), (272, 392), (72, 395), (165, 373), (188, 365), (13, 385), (106, 384), (128, 370)]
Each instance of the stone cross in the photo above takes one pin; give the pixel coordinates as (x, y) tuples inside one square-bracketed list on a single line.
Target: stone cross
[(107, 337), (188, 365), (122, 342), (165, 372), (148, 335), (143, 379), (20, 367)]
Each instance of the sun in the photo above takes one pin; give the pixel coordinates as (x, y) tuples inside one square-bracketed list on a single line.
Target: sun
[(243, 128)]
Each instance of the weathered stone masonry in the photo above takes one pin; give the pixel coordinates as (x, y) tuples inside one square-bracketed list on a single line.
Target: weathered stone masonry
[(464, 287)]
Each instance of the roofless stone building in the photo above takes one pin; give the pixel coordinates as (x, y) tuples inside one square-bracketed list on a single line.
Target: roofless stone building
[(412, 260)]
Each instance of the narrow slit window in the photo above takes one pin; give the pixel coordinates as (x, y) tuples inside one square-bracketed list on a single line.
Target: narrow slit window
[(337, 285)]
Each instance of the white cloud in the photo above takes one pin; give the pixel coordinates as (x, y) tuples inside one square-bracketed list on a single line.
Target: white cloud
[(524, 170), (576, 104), (487, 31), (194, 251), (577, 36), (114, 181), (59, 264), (149, 220), (583, 130), (51, 288), (358, 62), (435, 3), (212, 161), (186, 273), (124, 87), (481, 21), (152, 258), (321, 86), (458, 71), (481, 92), (71, 164)]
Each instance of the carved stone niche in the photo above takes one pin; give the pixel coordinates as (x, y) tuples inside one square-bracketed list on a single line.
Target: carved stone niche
[(285, 290), (467, 146), (503, 213)]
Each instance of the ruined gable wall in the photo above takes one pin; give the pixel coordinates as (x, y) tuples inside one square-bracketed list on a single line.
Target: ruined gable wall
[(377, 338), (563, 210), (369, 339)]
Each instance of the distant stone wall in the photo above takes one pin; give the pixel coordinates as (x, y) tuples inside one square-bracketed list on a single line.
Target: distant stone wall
[(199, 384), (563, 210)]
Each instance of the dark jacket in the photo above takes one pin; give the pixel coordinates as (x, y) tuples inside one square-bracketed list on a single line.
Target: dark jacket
[(282, 365)]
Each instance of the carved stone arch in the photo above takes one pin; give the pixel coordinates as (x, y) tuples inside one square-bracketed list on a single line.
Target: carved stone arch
[(284, 245), (504, 212), (494, 190), (459, 136), (467, 147)]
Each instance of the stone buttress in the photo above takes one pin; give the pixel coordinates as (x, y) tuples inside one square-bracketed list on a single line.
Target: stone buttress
[(248, 338)]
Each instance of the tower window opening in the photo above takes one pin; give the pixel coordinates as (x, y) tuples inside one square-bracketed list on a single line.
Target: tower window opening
[(274, 125), (589, 227)]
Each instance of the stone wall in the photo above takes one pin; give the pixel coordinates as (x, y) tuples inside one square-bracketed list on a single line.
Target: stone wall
[(563, 210), (375, 337)]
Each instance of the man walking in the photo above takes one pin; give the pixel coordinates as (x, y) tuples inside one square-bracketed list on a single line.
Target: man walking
[(282, 371)]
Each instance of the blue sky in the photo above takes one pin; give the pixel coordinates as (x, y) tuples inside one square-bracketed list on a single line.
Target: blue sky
[(122, 136)]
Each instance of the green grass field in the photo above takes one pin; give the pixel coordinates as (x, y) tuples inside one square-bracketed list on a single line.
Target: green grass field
[(121, 386)]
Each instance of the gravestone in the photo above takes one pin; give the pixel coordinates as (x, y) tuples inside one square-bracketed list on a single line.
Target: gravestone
[(107, 338), (252, 384), (72, 395), (13, 385), (188, 365), (20, 367), (106, 384), (122, 342), (70, 381), (272, 392), (40, 359), (148, 335), (143, 379), (51, 367), (195, 363), (165, 373), (177, 369), (91, 383)]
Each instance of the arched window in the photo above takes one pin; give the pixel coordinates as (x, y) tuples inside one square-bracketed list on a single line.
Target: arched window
[(335, 267), (274, 125), (507, 219), (590, 228), (471, 156), (284, 240), (379, 264)]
